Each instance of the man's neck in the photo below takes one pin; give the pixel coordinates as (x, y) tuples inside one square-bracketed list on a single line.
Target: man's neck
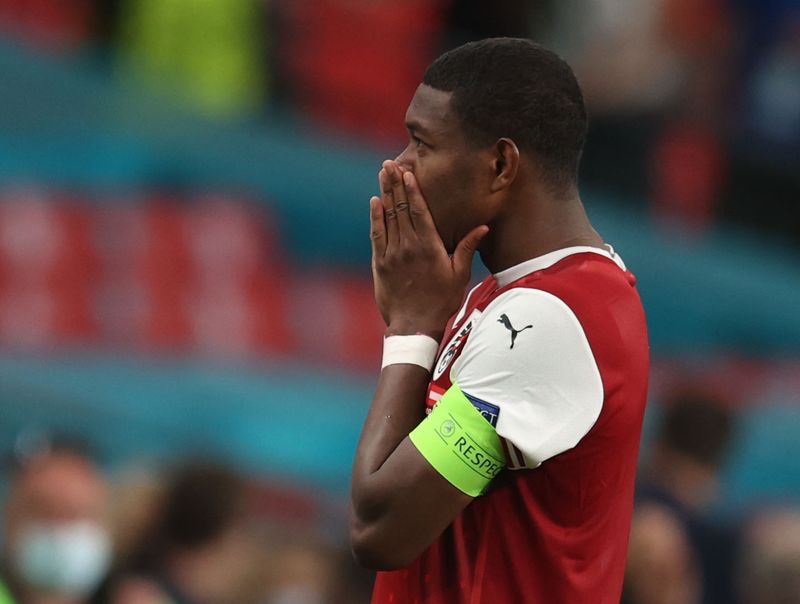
[(529, 230)]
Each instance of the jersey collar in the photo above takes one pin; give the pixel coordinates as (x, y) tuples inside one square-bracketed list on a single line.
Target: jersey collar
[(539, 263)]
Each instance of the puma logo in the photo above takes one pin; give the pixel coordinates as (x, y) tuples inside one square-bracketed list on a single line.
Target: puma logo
[(514, 332)]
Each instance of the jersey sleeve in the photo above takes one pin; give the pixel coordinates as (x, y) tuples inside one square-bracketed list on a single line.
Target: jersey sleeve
[(528, 366)]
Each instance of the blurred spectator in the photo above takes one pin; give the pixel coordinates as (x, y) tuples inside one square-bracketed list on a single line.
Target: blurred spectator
[(775, 90), (661, 566), (135, 500), (770, 570), (687, 161), (57, 546), (676, 491), (630, 76), (303, 571), (303, 567), (199, 550), (656, 77), (621, 52), (694, 437), (209, 53), (687, 171)]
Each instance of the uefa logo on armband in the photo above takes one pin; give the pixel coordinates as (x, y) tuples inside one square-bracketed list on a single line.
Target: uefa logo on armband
[(447, 428)]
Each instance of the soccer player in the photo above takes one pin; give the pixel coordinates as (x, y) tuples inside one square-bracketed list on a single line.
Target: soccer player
[(517, 485)]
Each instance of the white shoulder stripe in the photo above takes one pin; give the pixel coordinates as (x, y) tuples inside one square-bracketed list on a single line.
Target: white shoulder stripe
[(529, 356)]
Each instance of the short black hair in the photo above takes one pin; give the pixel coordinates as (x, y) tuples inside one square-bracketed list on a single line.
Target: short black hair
[(515, 88), (204, 499), (698, 425), (201, 501)]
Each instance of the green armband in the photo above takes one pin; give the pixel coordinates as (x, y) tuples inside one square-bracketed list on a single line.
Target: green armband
[(459, 443)]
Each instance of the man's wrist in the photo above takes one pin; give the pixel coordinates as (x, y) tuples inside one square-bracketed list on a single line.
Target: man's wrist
[(411, 329), (418, 349)]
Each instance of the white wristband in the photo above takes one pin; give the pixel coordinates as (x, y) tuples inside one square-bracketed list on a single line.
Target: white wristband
[(413, 350)]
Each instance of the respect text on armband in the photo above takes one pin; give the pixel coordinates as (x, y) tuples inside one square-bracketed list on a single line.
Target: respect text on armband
[(468, 450)]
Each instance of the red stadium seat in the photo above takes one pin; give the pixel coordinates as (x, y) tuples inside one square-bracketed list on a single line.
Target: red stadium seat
[(237, 300), (48, 270), (335, 320)]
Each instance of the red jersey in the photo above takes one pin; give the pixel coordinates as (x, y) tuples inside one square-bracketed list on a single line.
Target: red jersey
[(554, 354)]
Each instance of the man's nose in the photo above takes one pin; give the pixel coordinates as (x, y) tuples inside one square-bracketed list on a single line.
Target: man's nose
[(403, 161)]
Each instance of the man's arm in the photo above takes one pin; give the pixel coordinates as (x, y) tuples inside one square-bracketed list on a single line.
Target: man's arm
[(400, 503)]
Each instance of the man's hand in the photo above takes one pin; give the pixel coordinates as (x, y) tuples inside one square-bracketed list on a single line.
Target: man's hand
[(418, 286), (400, 503)]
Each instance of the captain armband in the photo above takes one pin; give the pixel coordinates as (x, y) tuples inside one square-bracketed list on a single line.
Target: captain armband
[(459, 443)]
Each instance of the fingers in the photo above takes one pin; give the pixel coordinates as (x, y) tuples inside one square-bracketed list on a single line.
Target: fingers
[(465, 250), (377, 227), (404, 224), (418, 208), (389, 211)]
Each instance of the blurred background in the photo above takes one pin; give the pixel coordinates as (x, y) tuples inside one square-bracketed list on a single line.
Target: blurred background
[(188, 340)]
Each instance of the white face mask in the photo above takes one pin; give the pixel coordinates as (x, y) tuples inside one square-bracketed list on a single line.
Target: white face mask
[(69, 558)]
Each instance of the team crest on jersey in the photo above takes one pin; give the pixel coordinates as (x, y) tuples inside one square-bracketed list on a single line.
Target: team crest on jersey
[(455, 344)]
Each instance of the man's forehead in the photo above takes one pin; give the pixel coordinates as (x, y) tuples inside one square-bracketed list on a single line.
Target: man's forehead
[(430, 110)]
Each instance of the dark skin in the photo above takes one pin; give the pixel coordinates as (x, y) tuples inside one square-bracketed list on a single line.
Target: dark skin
[(441, 200)]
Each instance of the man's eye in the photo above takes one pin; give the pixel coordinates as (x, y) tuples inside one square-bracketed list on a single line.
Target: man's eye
[(417, 141)]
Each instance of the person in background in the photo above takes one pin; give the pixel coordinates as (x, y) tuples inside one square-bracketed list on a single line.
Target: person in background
[(56, 546), (677, 488), (209, 54), (770, 564), (693, 440), (198, 548), (662, 568), (305, 571)]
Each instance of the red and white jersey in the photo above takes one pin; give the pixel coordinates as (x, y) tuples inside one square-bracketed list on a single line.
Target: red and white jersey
[(554, 353)]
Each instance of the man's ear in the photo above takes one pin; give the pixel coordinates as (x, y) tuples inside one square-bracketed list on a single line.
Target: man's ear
[(505, 164)]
